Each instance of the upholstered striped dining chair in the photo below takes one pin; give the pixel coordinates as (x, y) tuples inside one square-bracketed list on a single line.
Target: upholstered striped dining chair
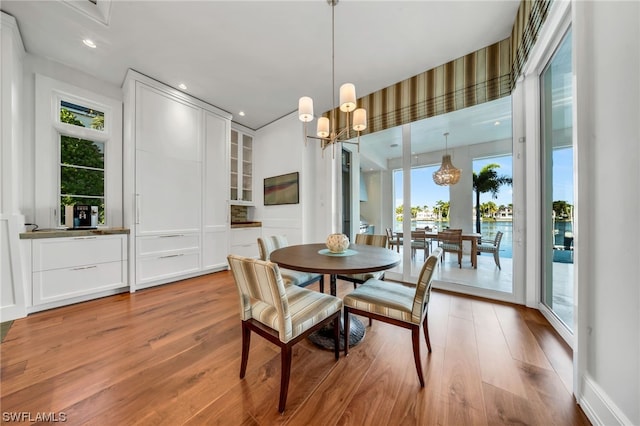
[(397, 304), (302, 279), (284, 315), (371, 240)]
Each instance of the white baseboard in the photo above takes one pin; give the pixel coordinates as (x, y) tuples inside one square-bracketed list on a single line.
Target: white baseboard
[(598, 407)]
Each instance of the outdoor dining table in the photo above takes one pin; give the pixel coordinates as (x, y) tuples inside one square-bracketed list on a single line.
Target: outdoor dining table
[(358, 258), (474, 237)]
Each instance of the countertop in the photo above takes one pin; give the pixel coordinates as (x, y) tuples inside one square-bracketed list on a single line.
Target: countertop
[(249, 224), (61, 233)]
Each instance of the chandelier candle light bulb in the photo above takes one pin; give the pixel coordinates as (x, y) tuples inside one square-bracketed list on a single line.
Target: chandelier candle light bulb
[(305, 109), (347, 97)]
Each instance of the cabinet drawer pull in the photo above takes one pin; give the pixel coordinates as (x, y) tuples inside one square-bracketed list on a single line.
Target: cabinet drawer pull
[(84, 238), (171, 255), (171, 236), (84, 267)]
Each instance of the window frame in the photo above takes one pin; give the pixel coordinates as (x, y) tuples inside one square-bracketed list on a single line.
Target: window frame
[(48, 132)]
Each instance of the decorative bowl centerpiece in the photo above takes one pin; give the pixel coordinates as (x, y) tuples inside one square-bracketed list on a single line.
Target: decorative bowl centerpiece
[(337, 243)]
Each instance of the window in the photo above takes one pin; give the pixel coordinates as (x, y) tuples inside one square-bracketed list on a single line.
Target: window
[(78, 158), (81, 175)]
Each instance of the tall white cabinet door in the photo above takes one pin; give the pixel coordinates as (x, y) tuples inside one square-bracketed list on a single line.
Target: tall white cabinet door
[(167, 126), (168, 163), (215, 194), (168, 194)]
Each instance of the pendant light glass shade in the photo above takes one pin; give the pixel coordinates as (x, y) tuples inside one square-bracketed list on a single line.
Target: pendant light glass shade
[(447, 174)]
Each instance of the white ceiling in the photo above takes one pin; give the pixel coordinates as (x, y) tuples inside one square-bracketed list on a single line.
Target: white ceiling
[(261, 56)]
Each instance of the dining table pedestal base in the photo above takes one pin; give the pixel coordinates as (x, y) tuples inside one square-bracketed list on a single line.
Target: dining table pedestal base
[(323, 338)]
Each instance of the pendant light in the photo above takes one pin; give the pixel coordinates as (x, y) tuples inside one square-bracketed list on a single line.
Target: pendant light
[(447, 174)]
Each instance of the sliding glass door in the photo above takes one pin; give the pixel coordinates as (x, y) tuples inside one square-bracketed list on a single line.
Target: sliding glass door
[(397, 166), (557, 184)]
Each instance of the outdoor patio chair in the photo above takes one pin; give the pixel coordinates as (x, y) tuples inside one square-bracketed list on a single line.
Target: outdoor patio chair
[(492, 247), (393, 240), (451, 241)]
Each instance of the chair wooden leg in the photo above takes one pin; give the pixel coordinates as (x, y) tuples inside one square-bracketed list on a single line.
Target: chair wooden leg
[(246, 341), (346, 331), (425, 326), (322, 284), (336, 336), (460, 259), (415, 338), (285, 373)]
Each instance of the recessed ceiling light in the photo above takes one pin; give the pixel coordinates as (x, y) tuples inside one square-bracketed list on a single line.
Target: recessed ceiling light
[(182, 86), (497, 123), (89, 43), (241, 113)]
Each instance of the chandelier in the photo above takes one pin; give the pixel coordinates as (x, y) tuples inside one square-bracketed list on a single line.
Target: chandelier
[(447, 174), (327, 132)]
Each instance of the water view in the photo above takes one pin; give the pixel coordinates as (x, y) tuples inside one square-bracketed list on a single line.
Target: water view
[(563, 236)]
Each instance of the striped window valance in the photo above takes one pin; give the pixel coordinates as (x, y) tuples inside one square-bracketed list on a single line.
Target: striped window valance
[(529, 19), (480, 76)]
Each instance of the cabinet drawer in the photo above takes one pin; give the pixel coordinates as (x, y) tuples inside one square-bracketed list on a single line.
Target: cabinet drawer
[(62, 253), (244, 236), (59, 284), (247, 250), (166, 266), (167, 243)]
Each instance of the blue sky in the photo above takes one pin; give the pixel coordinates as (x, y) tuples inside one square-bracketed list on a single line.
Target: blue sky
[(425, 191)]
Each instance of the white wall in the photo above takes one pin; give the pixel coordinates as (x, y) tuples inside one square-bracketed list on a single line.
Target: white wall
[(12, 297), (607, 69)]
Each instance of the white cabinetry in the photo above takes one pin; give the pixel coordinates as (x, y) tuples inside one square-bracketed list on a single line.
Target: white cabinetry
[(176, 175), (244, 241), (241, 167), (67, 270), (215, 240)]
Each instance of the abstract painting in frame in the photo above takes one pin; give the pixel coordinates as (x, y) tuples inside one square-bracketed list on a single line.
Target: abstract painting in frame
[(283, 189)]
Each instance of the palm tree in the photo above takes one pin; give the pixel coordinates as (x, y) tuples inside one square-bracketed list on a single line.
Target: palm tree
[(488, 181)]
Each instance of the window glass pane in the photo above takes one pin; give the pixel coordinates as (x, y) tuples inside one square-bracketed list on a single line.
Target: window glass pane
[(81, 175), (430, 202), (81, 152), (81, 116), (80, 181), (557, 182)]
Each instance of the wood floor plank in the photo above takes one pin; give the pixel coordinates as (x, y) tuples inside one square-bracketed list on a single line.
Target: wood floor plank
[(497, 367), (170, 355), (461, 386), (372, 403), (420, 406), (522, 343), (505, 408)]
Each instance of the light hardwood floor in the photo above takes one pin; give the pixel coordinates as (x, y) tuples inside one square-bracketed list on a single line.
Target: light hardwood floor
[(171, 355)]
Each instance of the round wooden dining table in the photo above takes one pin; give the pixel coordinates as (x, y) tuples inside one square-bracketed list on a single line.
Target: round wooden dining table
[(316, 258)]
